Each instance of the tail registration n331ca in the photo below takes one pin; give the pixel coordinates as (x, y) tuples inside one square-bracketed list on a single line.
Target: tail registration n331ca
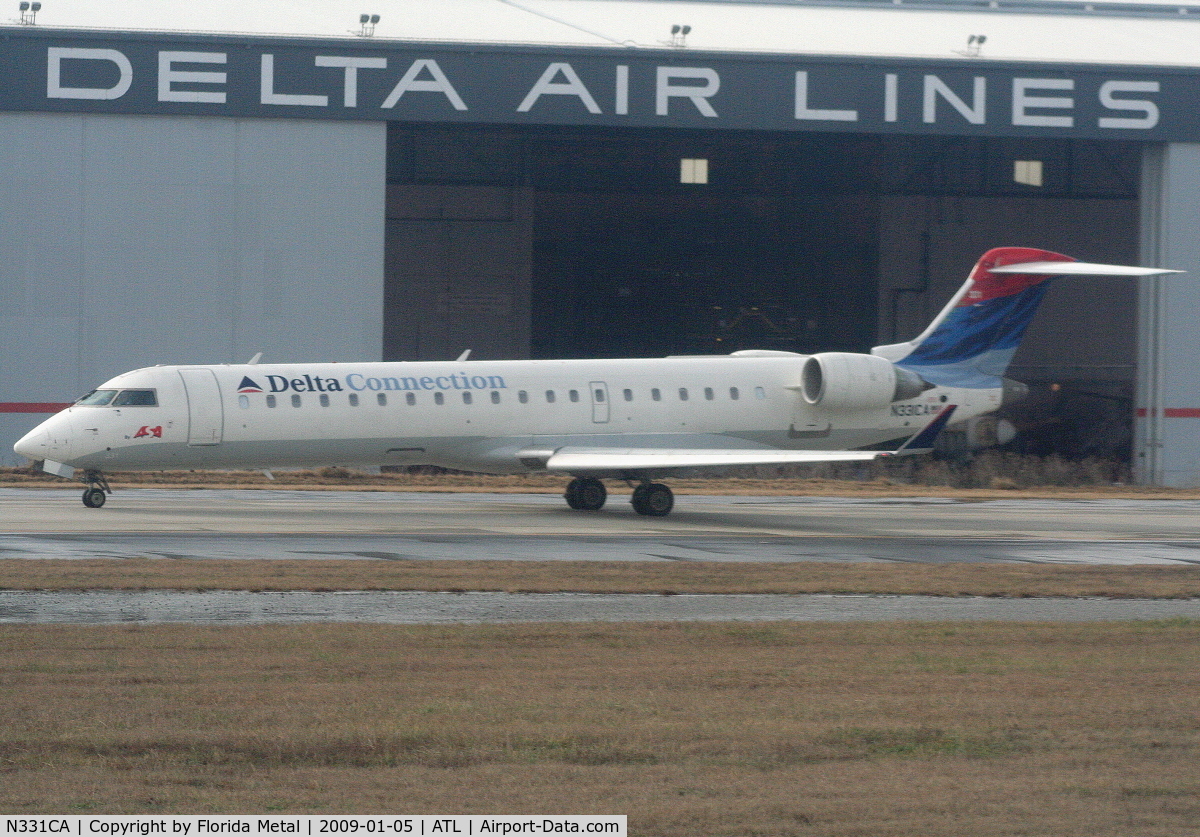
[(636, 420)]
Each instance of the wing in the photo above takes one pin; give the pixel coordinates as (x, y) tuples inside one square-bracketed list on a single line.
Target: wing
[(580, 460)]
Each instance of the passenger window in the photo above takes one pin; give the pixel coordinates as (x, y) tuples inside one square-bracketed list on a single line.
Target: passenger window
[(683, 394), (270, 400), (324, 400), (549, 396), (523, 397), (466, 398), (439, 398), (708, 394), (135, 398), (381, 399), (760, 393), (495, 396), (628, 395), (354, 399), (243, 402), (97, 398), (295, 400), (410, 398), (655, 394), (733, 394), (574, 395)]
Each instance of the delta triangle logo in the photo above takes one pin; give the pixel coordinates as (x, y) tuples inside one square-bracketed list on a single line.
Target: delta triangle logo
[(248, 385)]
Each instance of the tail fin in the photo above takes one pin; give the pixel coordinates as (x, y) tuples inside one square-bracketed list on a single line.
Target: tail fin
[(971, 342)]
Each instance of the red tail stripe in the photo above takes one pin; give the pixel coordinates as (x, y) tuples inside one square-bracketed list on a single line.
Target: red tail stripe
[(31, 407), (1173, 412)]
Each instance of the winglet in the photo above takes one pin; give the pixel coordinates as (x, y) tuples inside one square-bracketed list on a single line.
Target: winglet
[(923, 442)]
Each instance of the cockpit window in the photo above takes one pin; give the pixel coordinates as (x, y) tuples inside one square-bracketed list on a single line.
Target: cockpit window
[(136, 398), (97, 398)]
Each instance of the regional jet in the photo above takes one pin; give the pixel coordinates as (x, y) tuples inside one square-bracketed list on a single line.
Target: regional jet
[(636, 420)]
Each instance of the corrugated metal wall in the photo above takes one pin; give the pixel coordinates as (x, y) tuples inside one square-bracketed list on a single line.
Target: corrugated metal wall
[(131, 241), (1167, 418)]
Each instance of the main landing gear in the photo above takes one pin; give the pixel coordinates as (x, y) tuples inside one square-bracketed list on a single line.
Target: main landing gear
[(649, 498), (97, 490)]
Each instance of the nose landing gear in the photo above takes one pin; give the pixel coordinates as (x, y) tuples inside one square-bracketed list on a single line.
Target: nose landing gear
[(97, 490)]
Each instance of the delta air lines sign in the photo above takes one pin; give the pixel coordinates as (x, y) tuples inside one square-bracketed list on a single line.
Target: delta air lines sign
[(337, 79)]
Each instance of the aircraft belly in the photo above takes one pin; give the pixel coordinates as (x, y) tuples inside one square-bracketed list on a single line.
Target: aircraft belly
[(276, 453)]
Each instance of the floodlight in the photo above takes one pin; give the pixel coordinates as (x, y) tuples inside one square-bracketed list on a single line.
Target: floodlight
[(25, 7), (685, 29), (35, 7), (364, 18), (374, 19), (674, 29)]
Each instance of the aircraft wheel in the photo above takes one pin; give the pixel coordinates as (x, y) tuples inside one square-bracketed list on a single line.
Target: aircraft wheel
[(94, 498), (653, 499), (586, 494)]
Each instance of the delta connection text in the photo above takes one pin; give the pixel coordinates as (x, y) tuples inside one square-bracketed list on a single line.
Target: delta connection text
[(410, 825), (404, 383)]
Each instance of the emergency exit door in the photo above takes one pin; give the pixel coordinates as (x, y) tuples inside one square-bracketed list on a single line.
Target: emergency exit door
[(600, 410)]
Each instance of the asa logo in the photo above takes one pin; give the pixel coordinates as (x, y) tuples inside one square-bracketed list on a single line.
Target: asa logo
[(156, 432), (248, 385)]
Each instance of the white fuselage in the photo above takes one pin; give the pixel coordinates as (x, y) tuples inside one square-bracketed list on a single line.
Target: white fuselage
[(474, 415)]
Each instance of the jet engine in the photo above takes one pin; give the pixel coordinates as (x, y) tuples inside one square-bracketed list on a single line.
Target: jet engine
[(849, 381)]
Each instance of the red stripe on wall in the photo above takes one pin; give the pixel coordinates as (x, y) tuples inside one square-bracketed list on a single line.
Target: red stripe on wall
[(31, 407), (1173, 412)]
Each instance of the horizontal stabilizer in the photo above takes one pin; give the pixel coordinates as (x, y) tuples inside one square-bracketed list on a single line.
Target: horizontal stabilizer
[(1081, 269), (923, 441)]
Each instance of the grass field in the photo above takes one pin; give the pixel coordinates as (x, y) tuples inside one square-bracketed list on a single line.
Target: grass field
[(745, 730), (1010, 580), (693, 729)]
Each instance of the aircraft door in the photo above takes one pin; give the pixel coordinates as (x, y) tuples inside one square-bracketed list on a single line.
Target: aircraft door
[(206, 417), (600, 411)]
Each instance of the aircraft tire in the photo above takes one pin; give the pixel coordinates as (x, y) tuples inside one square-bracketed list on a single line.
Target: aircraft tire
[(94, 498), (653, 499), (586, 494)]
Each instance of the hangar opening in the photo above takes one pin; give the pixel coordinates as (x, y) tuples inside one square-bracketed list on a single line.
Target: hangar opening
[(571, 242)]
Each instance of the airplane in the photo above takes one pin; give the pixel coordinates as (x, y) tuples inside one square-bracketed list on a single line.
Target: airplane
[(636, 420)]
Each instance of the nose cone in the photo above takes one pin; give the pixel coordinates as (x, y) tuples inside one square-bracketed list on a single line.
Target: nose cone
[(49, 440), (34, 444)]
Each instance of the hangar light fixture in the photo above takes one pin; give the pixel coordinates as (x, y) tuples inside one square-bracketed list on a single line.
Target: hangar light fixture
[(693, 170), (29, 12), (679, 35), (974, 46), (367, 25)]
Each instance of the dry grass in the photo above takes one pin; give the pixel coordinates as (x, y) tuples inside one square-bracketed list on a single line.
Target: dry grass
[(746, 729), (1010, 580)]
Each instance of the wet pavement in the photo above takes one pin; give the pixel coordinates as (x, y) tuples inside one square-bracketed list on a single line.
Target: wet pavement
[(202, 523)]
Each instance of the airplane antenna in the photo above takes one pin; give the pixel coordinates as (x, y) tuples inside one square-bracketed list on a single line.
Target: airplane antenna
[(254, 360), (463, 356)]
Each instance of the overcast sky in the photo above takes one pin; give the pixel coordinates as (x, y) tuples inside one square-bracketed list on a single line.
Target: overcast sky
[(624, 23)]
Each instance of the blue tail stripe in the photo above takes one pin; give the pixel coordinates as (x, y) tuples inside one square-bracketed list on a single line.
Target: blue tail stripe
[(981, 335)]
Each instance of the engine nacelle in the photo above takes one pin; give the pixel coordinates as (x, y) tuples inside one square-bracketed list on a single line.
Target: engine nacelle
[(849, 381)]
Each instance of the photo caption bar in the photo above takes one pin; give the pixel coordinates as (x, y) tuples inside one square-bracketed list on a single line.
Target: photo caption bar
[(144, 825)]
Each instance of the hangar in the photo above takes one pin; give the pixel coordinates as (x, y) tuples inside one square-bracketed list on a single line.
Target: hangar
[(180, 197)]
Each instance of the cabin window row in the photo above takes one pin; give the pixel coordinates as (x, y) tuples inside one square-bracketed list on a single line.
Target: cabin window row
[(523, 396)]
